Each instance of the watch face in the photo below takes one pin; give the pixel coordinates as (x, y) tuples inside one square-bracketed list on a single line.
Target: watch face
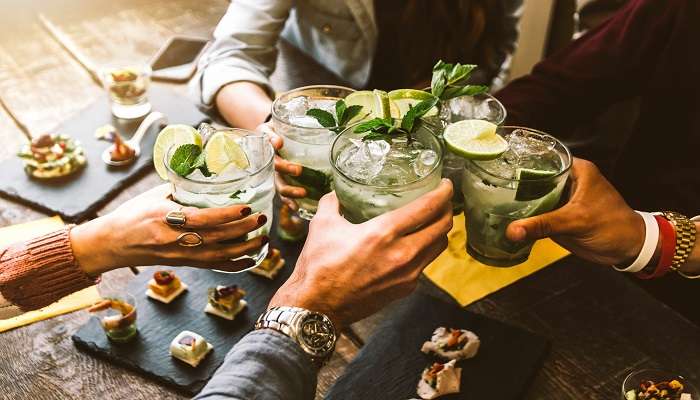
[(317, 334)]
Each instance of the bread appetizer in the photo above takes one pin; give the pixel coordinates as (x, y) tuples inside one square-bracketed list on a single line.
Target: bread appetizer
[(438, 380), (190, 348), (165, 286), (271, 265), (52, 156), (452, 344), (225, 301)]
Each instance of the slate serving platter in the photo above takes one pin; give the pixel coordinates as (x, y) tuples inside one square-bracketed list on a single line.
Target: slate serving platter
[(389, 365), (159, 323), (77, 197)]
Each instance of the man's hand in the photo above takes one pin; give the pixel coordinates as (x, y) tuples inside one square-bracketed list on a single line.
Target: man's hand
[(349, 271), (283, 167), (595, 224)]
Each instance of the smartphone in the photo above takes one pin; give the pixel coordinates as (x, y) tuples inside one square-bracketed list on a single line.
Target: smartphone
[(177, 60)]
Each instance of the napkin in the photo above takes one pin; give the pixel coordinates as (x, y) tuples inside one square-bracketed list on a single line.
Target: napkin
[(468, 280), (75, 301)]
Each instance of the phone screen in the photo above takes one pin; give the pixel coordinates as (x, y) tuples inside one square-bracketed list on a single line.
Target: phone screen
[(179, 52)]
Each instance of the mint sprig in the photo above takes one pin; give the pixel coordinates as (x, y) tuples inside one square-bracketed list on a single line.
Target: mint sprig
[(337, 122), (450, 81), (383, 129), (187, 158)]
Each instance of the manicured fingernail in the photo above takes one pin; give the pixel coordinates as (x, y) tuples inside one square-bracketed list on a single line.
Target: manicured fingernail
[(246, 211), (262, 219), (264, 240)]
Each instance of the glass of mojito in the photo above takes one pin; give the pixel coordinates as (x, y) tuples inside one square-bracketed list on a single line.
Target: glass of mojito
[(372, 177), (233, 166), (510, 173), (306, 141), (479, 107)]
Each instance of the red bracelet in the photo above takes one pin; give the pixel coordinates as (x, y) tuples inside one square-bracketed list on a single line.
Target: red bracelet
[(668, 249)]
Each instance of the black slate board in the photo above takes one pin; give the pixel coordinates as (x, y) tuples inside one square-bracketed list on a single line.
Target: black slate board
[(389, 365), (159, 323), (79, 196)]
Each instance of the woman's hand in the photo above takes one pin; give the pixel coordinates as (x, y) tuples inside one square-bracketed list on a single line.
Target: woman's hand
[(595, 224), (283, 167), (349, 271), (136, 234)]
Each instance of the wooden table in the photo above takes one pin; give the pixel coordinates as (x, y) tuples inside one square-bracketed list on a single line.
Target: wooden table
[(601, 325)]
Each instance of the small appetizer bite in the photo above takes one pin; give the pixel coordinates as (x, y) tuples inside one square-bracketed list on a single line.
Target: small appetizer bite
[(291, 228), (664, 390), (190, 347), (452, 344), (271, 265), (438, 380), (117, 317), (52, 156), (120, 150), (165, 286), (225, 301)]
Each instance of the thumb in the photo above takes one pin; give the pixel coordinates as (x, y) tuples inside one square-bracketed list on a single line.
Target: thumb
[(538, 227), (329, 205)]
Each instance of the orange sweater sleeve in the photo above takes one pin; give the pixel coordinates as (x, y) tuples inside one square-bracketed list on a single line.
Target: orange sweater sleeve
[(38, 272)]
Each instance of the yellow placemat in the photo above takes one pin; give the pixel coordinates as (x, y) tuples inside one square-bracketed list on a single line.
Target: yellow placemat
[(75, 301), (468, 280)]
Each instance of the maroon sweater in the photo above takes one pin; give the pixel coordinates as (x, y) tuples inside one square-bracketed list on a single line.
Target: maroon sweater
[(649, 49)]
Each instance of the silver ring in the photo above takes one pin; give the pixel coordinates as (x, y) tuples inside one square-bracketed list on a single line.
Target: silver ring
[(176, 218), (190, 239)]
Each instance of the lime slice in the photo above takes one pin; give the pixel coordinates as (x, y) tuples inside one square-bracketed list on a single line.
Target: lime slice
[(404, 99), (375, 103), (474, 139), (172, 135), (221, 151), (533, 184)]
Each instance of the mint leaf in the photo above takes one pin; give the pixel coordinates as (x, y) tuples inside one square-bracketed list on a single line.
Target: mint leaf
[(323, 117), (183, 159), (340, 108), (459, 73), (373, 124), (416, 112), (350, 113), (236, 194), (450, 81), (437, 84), (200, 163), (377, 136), (469, 90)]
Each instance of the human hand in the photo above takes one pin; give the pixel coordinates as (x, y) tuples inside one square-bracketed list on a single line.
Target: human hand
[(596, 223), (136, 234), (349, 271), (283, 167)]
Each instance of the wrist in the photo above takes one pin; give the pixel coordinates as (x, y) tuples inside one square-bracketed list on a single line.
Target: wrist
[(298, 297), (91, 253), (635, 239)]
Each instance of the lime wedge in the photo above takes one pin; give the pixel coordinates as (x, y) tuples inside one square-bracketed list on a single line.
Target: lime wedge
[(221, 151), (533, 184), (474, 139), (375, 103), (172, 135), (404, 99)]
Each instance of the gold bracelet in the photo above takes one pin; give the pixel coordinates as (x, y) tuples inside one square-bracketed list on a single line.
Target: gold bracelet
[(685, 240)]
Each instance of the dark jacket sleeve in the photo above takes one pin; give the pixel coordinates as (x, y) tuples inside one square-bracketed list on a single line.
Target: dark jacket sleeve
[(608, 64), (265, 364)]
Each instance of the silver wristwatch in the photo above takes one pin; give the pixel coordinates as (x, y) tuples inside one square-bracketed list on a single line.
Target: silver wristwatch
[(313, 331)]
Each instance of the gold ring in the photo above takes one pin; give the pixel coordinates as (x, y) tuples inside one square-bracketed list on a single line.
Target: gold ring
[(176, 218), (190, 239)]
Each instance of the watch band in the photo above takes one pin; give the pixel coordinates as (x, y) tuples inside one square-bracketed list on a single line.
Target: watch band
[(681, 273), (685, 237), (314, 332)]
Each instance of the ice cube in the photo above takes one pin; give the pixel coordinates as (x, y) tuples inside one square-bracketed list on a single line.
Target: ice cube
[(324, 104), (231, 172), (305, 121), (424, 163), (295, 107), (363, 160), (526, 143), (197, 175)]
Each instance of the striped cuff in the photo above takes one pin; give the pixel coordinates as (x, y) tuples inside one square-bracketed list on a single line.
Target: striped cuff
[(38, 272)]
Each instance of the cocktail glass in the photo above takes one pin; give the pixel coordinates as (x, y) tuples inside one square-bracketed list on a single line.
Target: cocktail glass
[(127, 88), (526, 180), (373, 177), (482, 106), (253, 186), (306, 142)]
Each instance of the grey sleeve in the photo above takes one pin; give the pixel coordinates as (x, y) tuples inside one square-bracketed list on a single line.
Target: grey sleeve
[(265, 364), (244, 48)]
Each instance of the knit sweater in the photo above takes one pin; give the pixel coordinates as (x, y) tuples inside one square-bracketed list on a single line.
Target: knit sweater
[(38, 272)]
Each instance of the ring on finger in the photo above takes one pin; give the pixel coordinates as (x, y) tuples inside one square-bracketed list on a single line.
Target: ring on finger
[(176, 218), (190, 239)]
